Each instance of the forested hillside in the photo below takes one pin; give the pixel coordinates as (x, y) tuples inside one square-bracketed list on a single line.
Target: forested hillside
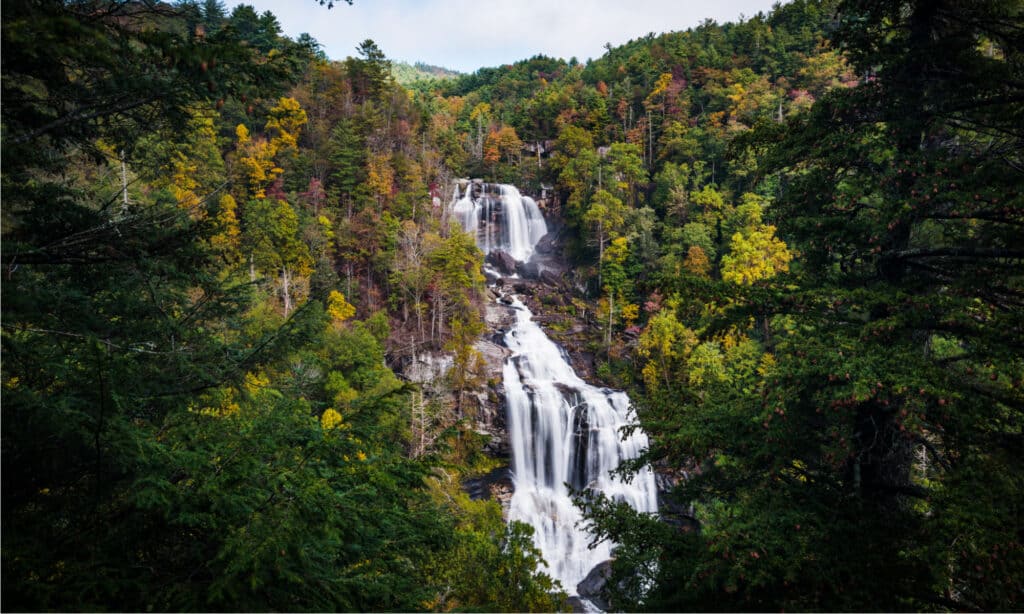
[(796, 240)]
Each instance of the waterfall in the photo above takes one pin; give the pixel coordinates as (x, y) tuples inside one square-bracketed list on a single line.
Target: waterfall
[(564, 431), (501, 218)]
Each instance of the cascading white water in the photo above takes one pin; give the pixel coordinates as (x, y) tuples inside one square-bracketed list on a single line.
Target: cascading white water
[(465, 211), (564, 431), (535, 219), (501, 219)]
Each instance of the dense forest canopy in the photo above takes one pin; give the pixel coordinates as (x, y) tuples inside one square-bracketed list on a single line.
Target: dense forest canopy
[(796, 240)]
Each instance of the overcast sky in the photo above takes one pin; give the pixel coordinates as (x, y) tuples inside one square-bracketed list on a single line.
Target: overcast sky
[(469, 34)]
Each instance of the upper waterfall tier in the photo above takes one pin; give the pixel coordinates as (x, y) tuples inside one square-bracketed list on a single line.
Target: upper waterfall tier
[(565, 433), (501, 218)]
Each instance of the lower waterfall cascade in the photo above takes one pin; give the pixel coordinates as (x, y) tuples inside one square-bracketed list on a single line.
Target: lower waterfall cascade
[(565, 432)]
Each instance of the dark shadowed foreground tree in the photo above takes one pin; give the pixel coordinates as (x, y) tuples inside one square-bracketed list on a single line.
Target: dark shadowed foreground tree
[(876, 463), (170, 441)]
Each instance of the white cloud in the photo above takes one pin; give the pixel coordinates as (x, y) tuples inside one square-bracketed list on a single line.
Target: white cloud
[(469, 34)]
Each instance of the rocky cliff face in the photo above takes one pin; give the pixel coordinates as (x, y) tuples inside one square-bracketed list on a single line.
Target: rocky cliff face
[(490, 404)]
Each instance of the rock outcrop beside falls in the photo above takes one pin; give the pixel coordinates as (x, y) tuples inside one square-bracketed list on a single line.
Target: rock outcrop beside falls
[(502, 261), (490, 406)]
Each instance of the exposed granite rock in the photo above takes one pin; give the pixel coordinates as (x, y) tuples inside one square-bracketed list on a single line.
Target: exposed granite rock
[(528, 270), (547, 243), (503, 261), (550, 278), (426, 367), (490, 401), (592, 586), (489, 486), (522, 287), (672, 512), (498, 317)]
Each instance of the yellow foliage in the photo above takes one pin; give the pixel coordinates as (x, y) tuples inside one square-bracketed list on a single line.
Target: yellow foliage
[(754, 256), (664, 341), (254, 382), (227, 236), (338, 307), (286, 121), (255, 162), (618, 251), (380, 177), (482, 109), (664, 80), (255, 156), (738, 92), (630, 313), (192, 163), (697, 261), (224, 404), (326, 226), (183, 183), (455, 105), (797, 470), (651, 375), (732, 338), (330, 419)]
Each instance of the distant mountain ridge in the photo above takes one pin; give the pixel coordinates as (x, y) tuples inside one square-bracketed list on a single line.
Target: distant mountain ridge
[(406, 73)]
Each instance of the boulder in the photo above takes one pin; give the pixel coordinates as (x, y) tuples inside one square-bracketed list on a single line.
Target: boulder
[(550, 278), (528, 270), (498, 316), (546, 245), (523, 288), (502, 261), (593, 585)]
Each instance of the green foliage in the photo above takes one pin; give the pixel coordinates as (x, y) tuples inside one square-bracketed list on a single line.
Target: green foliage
[(491, 566), (836, 421)]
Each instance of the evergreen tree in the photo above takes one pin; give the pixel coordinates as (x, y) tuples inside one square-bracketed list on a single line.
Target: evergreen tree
[(846, 472)]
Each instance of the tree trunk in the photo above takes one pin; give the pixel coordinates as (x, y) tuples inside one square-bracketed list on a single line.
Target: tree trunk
[(611, 319), (124, 186), (286, 280), (419, 315)]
